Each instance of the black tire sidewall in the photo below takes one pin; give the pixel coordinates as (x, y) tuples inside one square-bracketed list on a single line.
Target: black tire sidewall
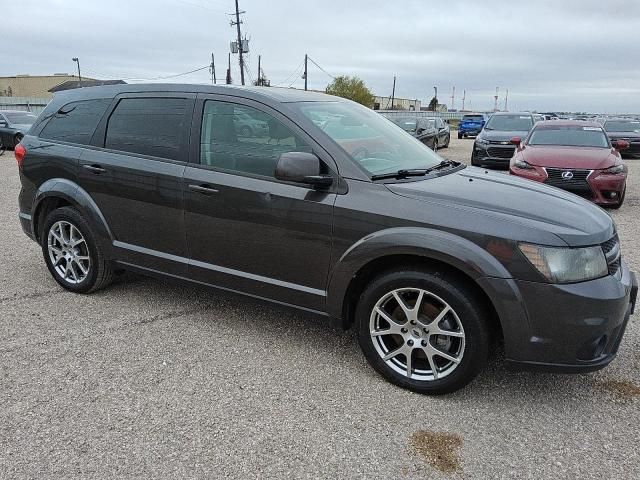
[(74, 217), (464, 303)]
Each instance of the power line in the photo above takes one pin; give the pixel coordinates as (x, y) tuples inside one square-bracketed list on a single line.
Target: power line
[(290, 75), (313, 61)]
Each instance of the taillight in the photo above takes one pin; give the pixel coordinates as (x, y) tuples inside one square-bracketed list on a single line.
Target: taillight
[(19, 151)]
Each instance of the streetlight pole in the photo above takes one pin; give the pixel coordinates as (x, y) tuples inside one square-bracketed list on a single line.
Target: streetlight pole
[(75, 59)]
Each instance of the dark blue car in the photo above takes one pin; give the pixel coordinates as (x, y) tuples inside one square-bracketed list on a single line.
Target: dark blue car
[(472, 124)]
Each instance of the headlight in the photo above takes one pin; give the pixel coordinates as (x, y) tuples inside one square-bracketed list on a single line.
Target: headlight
[(482, 141), (519, 163), (614, 170), (566, 265)]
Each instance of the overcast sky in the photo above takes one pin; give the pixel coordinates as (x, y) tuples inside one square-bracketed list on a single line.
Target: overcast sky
[(573, 55)]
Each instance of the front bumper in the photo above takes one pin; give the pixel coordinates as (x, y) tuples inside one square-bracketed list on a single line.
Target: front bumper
[(493, 155), (602, 189), (565, 328)]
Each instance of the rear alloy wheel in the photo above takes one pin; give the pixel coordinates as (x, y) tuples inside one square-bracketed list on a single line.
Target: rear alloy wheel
[(422, 332), (71, 253)]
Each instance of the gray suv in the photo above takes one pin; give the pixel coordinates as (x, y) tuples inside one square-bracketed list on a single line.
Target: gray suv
[(332, 210)]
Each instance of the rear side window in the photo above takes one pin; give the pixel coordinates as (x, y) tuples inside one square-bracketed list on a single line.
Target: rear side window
[(148, 126), (76, 121)]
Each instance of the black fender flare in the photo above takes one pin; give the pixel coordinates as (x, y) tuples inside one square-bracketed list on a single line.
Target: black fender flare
[(72, 193), (439, 245)]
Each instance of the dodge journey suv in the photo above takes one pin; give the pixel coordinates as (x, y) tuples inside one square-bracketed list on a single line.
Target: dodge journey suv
[(330, 209)]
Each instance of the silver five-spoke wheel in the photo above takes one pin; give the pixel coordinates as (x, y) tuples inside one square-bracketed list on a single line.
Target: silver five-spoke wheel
[(68, 252), (417, 334)]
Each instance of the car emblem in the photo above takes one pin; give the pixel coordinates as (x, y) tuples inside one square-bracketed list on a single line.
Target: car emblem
[(567, 175)]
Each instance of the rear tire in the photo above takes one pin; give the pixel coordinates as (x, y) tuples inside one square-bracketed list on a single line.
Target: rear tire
[(413, 351), (74, 258)]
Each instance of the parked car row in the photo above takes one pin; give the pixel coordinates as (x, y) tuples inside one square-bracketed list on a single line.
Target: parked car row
[(14, 124), (432, 131)]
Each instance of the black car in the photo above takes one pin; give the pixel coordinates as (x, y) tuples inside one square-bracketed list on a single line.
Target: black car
[(350, 218), (493, 147), (624, 129), (444, 132), (421, 128), (13, 125)]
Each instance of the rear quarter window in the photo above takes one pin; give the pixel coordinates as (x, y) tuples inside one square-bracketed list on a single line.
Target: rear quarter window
[(76, 121)]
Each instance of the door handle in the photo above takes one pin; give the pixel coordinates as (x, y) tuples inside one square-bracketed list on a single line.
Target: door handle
[(204, 189), (97, 169)]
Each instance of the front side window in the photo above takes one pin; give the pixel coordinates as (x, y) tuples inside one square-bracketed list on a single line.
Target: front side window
[(569, 136), (243, 139), (376, 144), (510, 123), (148, 126), (76, 121)]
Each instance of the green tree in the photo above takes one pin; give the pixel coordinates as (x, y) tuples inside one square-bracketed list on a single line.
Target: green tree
[(433, 105), (352, 88)]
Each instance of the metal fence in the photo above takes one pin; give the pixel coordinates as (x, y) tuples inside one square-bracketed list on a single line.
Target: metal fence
[(423, 113), (30, 104)]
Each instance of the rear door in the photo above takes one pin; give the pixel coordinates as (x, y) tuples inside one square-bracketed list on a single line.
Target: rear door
[(134, 174), (246, 230)]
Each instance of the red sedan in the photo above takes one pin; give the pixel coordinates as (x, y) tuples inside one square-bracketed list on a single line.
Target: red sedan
[(575, 156)]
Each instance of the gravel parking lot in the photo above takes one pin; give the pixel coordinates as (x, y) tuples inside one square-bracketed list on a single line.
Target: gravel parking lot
[(153, 379)]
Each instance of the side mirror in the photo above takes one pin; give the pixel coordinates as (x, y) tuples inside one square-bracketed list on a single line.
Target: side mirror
[(421, 130), (516, 141), (301, 167), (620, 144)]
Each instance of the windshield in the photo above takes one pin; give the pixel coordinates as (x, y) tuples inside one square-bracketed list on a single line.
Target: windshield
[(406, 123), (21, 118), (472, 118), (622, 126), (376, 144), (510, 123), (569, 136)]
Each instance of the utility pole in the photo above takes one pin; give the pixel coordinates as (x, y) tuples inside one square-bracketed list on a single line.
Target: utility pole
[(213, 69), (453, 97), (75, 59), (464, 97), (229, 71), (306, 57), (506, 100), (259, 76), (237, 24), (393, 93), (495, 107)]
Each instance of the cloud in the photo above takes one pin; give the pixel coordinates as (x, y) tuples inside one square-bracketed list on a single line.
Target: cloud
[(550, 55)]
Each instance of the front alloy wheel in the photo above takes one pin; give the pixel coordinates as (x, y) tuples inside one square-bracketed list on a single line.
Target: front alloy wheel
[(417, 334)]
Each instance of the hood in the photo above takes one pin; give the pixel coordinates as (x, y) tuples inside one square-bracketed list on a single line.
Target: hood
[(623, 134), (511, 199), (502, 136), (569, 157)]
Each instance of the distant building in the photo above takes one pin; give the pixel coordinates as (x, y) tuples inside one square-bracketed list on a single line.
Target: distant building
[(42, 86), (384, 103)]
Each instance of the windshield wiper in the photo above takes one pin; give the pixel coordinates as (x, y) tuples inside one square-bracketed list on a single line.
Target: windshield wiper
[(415, 172)]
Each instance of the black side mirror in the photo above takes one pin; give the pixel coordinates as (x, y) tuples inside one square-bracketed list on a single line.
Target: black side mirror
[(302, 167)]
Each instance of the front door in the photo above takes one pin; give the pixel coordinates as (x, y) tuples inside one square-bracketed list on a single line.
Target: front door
[(247, 231)]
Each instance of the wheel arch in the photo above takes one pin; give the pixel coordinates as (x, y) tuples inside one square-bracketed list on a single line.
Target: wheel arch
[(60, 192), (427, 249)]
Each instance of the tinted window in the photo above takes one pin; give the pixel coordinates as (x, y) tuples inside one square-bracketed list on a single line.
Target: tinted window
[(243, 139), (149, 126), (514, 123), (622, 126), (570, 136), (76, 121), (21, 118), (472, 118)]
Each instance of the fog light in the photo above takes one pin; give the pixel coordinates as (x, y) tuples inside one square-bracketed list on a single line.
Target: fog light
[(613, 195)]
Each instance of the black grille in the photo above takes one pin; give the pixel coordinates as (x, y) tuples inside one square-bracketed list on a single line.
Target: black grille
[(611, 249), (574, 181), (501, 152)]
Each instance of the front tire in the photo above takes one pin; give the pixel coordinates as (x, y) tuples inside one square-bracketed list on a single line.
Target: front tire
[(73, 257), (422, 330)]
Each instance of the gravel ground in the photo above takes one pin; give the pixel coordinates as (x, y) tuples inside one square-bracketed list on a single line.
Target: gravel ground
[(151, 379)]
